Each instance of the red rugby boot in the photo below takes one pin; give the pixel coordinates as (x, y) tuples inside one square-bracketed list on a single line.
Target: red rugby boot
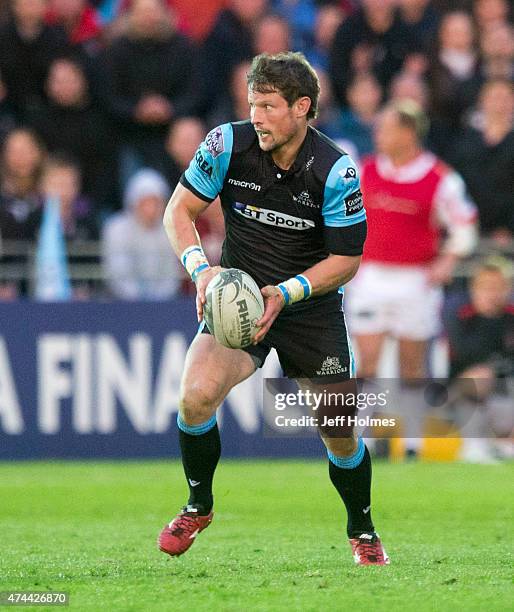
[(367, 549), (179, 535)]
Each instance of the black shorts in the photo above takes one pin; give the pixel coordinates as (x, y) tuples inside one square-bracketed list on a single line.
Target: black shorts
[(311, 341)]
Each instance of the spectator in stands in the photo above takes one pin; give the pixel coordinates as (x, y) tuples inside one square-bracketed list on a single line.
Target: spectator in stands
[(271, 35), (4, 13), (107, 10), (27, 48), (408, 86), (481, 334), (484, 155), (481, 341), (150, 79), (80, 21), (373, 39), (328, 19), (135, 248), (453, 77), (192, 19), (71, 123), (229, 43), (184, 136), (489, 13), (61, 179), (20, 172), (234, 105), (61, 182), (300, 14), (497, 48), (411, 197), (364, 96), (197, 17), (7, 114), (422, 20), (328, 119)]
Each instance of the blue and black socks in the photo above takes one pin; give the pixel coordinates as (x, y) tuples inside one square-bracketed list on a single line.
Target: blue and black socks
[(351, 476), (201, 450)]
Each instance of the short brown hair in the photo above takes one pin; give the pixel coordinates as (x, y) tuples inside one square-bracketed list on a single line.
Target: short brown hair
[(289, 74)]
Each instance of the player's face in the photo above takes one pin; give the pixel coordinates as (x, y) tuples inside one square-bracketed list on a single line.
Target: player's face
[(389, 134), (275, 122)]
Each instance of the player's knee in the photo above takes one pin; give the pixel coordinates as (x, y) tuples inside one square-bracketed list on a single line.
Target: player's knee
[(412, 370), (342, 447), (198, 401)]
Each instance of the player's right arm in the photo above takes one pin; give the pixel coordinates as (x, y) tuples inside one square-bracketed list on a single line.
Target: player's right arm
[(179, 219), (179, 222), (198, 187)]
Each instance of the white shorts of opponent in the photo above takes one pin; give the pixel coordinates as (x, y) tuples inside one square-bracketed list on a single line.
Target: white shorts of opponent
[(392, 299)]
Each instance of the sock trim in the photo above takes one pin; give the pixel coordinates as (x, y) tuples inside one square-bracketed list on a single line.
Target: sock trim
[(196, 430), (351, 462)]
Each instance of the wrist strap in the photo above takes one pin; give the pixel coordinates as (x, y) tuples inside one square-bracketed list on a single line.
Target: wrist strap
[(194, 260), (295, 289), (197, 271)]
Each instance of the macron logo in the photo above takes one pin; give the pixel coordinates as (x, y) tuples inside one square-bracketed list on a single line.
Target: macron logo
[(244, 184), (194, 483)]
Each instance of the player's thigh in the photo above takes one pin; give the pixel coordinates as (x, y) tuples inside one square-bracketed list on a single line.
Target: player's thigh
[(416, 308), (369, 348), (412, 356), (210, 372), (367, 301)]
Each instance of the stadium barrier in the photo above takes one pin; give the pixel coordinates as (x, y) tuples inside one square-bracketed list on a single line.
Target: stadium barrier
[(101, 380), (17, 261)]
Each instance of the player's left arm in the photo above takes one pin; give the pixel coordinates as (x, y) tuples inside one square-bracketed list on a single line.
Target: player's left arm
[(345, 230)]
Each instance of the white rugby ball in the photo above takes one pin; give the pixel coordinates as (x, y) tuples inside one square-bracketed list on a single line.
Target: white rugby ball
[(233, 304)]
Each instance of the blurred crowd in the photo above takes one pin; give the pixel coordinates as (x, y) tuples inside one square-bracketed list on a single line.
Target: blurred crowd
[(103, 103)]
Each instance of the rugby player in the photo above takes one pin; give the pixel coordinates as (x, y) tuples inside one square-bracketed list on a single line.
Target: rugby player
[(421, 223), (295, 222)]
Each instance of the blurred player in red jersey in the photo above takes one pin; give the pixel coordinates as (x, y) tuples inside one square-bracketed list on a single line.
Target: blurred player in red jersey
[(412, 198)]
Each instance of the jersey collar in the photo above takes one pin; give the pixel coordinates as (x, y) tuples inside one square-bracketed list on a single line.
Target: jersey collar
[(302, 157)]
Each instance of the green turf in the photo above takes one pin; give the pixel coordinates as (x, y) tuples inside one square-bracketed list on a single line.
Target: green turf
[(276, 543)]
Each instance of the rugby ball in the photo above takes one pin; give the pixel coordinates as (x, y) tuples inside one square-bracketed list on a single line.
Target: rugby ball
[(233, 304)]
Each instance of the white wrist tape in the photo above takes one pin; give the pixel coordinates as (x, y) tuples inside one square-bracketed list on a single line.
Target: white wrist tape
[(193, 258), (295, 289)]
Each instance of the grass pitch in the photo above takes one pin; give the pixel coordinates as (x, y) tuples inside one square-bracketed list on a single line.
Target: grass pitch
[(277, 541)]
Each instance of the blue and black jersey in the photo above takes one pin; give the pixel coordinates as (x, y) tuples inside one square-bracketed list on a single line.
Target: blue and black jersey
[(279, 223)]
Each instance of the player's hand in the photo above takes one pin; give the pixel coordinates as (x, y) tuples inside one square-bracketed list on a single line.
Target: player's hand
[(273, 304), (441, 270), (202, 280)]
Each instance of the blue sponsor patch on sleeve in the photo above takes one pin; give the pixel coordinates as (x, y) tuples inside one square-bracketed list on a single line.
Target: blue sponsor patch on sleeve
[(354, 203), (342, 203)]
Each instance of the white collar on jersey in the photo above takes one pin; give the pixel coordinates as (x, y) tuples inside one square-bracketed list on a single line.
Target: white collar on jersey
[(411, 172)]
